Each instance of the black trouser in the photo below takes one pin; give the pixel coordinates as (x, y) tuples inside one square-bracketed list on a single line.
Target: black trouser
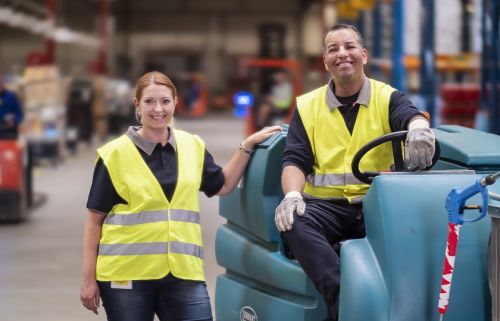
[(311, 240)]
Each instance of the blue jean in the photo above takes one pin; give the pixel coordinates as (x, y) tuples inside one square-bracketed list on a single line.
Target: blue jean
[(170, 298)]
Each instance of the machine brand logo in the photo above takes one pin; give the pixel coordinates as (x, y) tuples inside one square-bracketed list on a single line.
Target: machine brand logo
[(248, 314)]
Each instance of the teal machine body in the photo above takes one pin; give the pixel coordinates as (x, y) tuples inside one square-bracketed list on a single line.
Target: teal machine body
[(391, 274)]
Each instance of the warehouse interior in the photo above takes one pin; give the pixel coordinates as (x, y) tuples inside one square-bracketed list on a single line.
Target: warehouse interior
[(74, 66)]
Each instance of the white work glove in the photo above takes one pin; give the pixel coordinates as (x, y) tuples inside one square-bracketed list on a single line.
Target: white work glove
[(283, 216), (420, 145)]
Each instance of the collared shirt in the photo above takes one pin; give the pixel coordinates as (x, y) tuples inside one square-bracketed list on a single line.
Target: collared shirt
[(162, 161), (362, 97), (298, 150)]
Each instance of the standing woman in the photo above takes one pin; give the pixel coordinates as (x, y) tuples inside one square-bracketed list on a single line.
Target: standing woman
[(142, 247)]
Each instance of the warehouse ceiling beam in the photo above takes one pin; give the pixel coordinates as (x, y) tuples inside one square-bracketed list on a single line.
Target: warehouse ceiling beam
[(15, 16)]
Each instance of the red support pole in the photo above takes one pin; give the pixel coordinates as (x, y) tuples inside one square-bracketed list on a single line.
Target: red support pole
[(103, 32), (49, 43)]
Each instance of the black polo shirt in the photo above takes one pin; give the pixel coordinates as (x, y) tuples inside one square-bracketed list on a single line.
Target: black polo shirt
[(298, 150), (162, 161)]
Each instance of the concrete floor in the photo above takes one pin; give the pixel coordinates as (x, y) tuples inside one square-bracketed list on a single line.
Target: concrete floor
[(40, 259)]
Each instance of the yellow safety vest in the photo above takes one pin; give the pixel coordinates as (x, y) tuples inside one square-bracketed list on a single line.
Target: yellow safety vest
[(334, 147), (149, 236)]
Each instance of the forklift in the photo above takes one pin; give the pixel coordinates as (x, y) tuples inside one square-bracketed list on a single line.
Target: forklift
[(13, 183), (16, 180), (259, 70)]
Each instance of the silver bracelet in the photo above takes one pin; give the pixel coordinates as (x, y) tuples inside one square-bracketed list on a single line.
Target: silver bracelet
[(244, 149)]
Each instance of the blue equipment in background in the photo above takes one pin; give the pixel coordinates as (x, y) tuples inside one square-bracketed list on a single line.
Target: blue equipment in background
[(243, 100)]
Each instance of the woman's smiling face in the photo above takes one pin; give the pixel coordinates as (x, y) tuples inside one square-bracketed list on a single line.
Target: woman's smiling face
[(156, 106)]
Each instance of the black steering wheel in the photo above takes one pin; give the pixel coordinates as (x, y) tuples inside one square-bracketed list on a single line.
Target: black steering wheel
[(396, 138)]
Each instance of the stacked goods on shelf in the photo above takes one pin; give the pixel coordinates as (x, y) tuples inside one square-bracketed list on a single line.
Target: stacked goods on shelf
[(460, 103), (44, 122)]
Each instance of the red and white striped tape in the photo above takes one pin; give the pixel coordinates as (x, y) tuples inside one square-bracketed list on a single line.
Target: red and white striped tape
[(448, 266)]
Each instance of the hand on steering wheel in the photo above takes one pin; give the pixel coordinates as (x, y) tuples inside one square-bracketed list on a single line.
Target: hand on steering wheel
[(396, 138)]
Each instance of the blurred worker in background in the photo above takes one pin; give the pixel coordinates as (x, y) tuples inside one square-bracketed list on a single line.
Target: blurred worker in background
[(262, 113), (193, 93), (11, 113), (329, 126), (272, 107), (142, 249), (281, 95)]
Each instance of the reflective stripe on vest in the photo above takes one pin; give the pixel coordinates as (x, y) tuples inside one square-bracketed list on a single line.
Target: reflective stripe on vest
[(334, 146), (148, 237), (152, 216), (333, 179), (151, 248), (352, 200)]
